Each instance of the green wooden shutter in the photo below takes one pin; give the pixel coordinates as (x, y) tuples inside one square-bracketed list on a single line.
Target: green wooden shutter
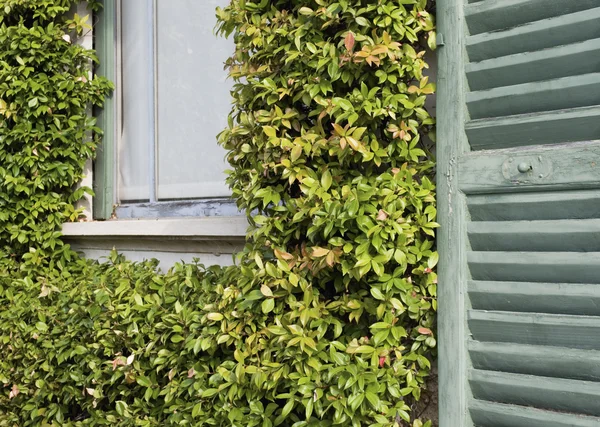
[(519, 203)]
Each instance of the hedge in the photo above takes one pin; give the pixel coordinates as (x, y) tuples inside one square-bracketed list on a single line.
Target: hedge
[(327, 318)]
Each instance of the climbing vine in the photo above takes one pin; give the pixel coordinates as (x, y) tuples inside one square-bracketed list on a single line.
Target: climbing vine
[(329, 316)]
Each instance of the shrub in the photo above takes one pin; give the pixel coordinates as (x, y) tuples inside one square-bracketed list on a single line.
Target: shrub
[(328, 317), (337, 292), (45, 89)]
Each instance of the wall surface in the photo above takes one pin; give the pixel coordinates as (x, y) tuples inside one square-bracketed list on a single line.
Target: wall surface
[(212, 240)]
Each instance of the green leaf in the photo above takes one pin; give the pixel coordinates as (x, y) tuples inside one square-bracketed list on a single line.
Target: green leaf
[(121, 408), (209, 392), (433, 260), (377, 294), (144, 381), (266, 291), (287, 408), (362, 21), (305, 11), (177, 338), (326, 180), (356, 400), (296, 153), (215, 316), (268, 305), (270, 131)]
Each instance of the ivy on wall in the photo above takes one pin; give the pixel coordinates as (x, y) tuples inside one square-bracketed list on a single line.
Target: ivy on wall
[(329, 317)]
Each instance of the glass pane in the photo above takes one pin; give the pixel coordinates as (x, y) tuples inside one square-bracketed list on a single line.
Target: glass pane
[(193, 99), (138, 100)]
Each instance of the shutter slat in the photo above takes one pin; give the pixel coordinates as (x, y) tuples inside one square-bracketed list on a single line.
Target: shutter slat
[(561, 30), (543, 361), (582, 332), (570, 125), (550, 95), (558, 167), (528, 236), (537, 66), (545, 393), (553, 205), (489, 414), (553, 267), (493, 15), (575, 298)]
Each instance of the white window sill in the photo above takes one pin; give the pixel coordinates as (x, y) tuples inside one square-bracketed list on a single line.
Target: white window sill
[(205, 227)]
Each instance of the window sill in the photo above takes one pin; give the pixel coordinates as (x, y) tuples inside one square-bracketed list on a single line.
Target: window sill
[(182, 228)]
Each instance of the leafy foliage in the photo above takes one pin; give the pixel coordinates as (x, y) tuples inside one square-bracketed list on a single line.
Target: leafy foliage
[(45, 90), (326, 144), (328, 317)]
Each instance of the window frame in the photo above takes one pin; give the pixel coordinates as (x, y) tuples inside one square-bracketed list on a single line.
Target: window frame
[(105, 183)]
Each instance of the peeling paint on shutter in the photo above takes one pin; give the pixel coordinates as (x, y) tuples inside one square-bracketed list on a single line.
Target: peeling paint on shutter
[(519, 197)]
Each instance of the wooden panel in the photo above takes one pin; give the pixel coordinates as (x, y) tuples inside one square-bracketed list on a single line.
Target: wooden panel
[(561, 30), (561, 235), (561, 167), (552, 267), (535, 66), (452, 270), (488, 414), (580, 332), (493, 15), (545, 393), (549, 95), (106, 155), (536, 360), (578, 204), (556, 298), (577, 124)]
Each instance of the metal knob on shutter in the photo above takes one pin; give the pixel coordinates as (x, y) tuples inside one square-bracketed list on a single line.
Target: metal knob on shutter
[(523, 169)]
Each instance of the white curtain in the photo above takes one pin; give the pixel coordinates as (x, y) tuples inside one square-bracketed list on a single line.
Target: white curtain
[(193, 99), (189, 95), (138, 100)]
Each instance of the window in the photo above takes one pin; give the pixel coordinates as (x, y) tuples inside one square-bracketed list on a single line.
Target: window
[(160, 154)]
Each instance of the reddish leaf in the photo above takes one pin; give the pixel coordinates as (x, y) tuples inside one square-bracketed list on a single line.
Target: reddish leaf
[(13, 392), (319, 252), (349, 41)]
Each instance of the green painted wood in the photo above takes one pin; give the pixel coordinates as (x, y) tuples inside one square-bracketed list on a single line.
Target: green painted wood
[(561, 167), (452, 270), (105, 162), (552, 205), (536, 297), (557, 94), (532, 228), (559, 395), (543, 361), (493, 15), (552, 267), (537, 66), (561, 30), (571, 125), (582, 235), (577, 332), (488, 414)]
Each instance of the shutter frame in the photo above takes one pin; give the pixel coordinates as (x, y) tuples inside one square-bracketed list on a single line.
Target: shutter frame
[(452, 143)]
